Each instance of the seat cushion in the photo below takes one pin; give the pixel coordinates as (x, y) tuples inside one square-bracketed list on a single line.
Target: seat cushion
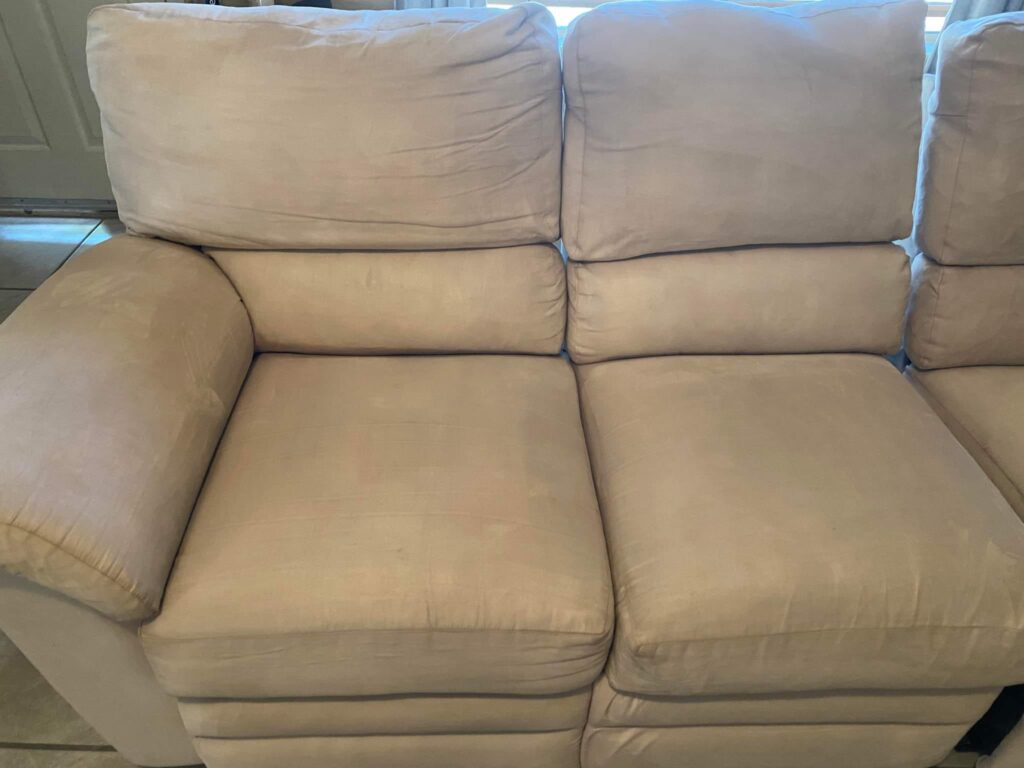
[(984, 408), (392, 525), (796, 523)]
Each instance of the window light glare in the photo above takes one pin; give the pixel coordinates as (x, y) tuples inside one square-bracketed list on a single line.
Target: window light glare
[(564, 14)]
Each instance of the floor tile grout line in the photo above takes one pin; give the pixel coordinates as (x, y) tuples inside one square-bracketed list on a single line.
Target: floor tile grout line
[(73, 251), (70, 253)]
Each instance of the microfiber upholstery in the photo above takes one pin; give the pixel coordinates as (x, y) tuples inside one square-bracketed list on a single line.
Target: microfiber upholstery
[(285, 128), (392, 525)]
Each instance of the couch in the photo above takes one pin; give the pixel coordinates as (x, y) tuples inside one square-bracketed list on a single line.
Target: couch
[(335, 460), (965, 335)]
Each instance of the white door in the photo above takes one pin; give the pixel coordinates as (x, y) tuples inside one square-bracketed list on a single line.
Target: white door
[(51, 147)]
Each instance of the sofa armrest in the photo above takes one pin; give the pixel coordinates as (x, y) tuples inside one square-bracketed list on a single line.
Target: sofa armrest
[(117, 377)]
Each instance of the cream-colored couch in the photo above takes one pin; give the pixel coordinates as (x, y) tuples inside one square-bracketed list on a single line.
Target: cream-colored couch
[(296, 475), (808, 571), (965, 335)]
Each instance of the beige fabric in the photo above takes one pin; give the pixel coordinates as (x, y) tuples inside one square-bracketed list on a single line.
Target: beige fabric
[(705, 124), (771, 746), (796, 523), (927, 89), (984, 408), (611, 708), (971, 179), (792, 299), (966, 315), (495, 300), (407, 715), (116, 379), (392, 525), (285, 128), (98, 666), (557, 749)]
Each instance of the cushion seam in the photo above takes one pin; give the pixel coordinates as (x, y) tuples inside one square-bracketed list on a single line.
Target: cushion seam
[(130, 589), (829, 724), (489, 732), (639, 649), (151, 636)]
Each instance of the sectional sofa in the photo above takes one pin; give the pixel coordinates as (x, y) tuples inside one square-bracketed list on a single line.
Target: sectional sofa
[(966, 330), (336, 460)]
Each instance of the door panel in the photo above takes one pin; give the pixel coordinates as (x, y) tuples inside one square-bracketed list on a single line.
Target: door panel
[(51, 145)]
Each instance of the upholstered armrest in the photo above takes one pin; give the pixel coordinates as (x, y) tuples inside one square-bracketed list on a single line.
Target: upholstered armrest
[(116, 379)]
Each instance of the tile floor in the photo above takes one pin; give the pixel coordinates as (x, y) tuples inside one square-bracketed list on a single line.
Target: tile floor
[(33, 248), (38, 729)]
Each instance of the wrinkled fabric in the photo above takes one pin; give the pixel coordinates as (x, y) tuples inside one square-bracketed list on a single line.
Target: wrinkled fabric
[(970, 206), (292, 128), (751, 301), (392, 525), (117, 376), (964, 316), (509, 300), (796, 523), (704, 124)]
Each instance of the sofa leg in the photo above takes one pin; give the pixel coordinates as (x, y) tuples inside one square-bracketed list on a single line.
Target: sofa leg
[(98, 666)]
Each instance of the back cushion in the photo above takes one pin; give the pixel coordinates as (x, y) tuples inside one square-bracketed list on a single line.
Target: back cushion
[(752, 301), (494, 300), (966, 315), (705, 124), (296, 128), (968, 305), (971, 184)]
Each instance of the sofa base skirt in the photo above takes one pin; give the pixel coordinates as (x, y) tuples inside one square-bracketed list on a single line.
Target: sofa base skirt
[(414, 731), (554, 749), (413, 715), (838, 729), (770, 746)]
